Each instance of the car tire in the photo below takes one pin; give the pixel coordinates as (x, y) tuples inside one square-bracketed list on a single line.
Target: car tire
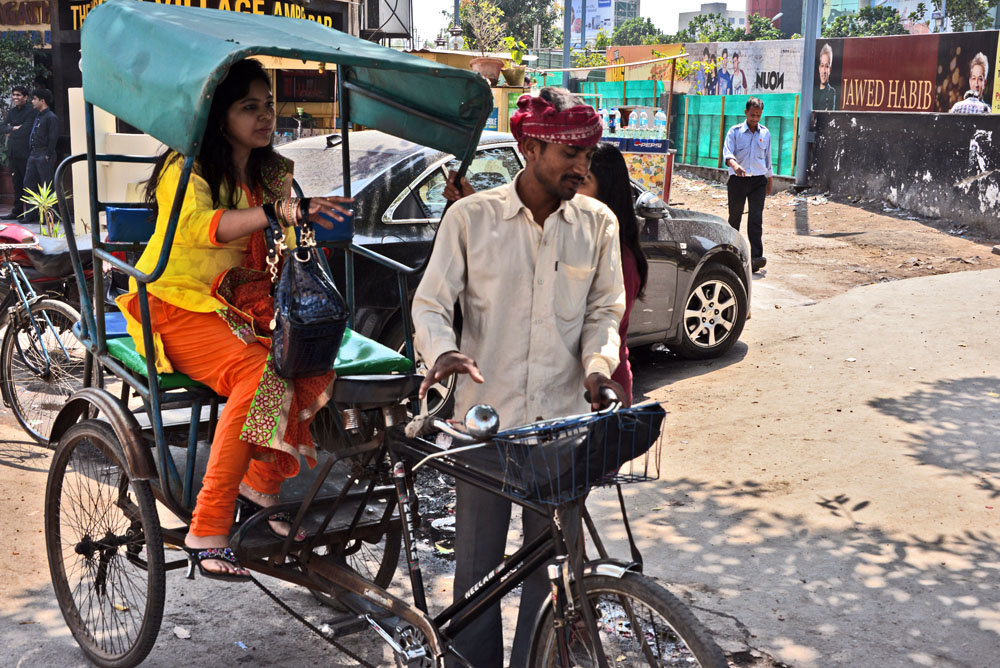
[(440, 400), (706, 330)]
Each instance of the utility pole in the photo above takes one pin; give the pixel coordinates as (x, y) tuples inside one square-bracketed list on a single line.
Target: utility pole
[(810, 33), (566, 38), (583, 25)]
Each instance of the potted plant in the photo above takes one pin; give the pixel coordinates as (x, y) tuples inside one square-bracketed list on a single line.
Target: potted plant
[(485, 33), (514, 75), (45, 201)]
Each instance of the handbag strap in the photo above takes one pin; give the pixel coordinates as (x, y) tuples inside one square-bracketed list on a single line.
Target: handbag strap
[(274, 237)]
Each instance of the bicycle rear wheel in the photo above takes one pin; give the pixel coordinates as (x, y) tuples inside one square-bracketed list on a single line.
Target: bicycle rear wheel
[(639, 624), (105, 548), (36, 399)]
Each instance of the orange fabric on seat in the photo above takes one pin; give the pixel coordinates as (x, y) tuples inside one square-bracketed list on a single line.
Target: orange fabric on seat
[(203, 346)]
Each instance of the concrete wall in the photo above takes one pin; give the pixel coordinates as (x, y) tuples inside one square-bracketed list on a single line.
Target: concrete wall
[(935, 165)]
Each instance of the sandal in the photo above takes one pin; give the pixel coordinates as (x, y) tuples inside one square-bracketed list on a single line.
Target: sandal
[(247, 507), (196, 555)]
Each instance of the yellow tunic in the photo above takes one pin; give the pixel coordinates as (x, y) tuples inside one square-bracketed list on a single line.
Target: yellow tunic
[(196, 256)]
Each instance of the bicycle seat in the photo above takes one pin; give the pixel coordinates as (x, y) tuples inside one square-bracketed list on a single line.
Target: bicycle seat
[(375, 390)]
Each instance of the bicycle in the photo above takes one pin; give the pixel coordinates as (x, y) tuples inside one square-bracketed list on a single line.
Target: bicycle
[(41, 362), (549, 467)]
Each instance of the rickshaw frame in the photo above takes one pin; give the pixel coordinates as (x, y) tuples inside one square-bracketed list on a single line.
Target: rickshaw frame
[(457, 127), (92, 329)]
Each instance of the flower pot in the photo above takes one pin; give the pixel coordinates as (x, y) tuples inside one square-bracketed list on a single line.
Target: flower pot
[(514, 76), (488, 67)]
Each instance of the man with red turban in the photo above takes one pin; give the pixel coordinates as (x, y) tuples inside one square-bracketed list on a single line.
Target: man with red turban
[(537, 272)]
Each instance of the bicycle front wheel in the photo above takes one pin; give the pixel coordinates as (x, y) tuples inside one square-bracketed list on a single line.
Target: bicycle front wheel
[(639, 623), (34, 393)]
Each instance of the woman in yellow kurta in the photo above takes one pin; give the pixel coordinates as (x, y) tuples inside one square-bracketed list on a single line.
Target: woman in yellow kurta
[(210, 310)]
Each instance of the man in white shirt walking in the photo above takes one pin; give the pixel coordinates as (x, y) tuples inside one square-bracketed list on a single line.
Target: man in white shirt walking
[(537, 272), (747, 153)]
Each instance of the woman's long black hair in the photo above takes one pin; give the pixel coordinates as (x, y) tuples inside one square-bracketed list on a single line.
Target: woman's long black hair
[(215, 157), (615, 189)]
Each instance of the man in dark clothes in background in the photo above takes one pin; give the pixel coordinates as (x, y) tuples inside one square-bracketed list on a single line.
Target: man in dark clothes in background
[(17, 126), (42, 146)]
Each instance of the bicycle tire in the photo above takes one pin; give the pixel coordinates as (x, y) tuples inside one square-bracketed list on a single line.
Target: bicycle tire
[(34, 400), (681, 640), (105, 548)]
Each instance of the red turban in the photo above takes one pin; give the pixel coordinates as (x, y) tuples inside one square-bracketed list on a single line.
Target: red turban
[(537, 117)]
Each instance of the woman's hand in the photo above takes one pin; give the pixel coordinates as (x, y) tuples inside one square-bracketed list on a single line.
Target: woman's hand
[(315, 208)]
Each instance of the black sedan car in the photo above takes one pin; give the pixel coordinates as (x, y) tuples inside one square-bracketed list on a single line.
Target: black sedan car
[(696, 297)]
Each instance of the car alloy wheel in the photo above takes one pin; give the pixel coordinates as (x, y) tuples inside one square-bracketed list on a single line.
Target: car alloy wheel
[(714, 313)]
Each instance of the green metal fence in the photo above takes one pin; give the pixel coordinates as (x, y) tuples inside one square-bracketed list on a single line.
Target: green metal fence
[(698, 130)]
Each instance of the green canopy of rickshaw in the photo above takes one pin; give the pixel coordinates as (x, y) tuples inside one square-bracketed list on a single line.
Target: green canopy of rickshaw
[(156, 66)]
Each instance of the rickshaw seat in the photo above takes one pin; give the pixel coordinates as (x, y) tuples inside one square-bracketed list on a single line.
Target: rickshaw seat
[(358, 355), (380, 390)]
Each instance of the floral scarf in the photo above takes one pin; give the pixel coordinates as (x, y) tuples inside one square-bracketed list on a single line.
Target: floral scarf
[(282, 409)]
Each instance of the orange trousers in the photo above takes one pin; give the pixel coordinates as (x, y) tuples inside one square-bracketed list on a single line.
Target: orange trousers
[(202, 346)]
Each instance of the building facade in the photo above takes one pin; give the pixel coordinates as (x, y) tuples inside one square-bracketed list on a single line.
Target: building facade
[(734, 18)]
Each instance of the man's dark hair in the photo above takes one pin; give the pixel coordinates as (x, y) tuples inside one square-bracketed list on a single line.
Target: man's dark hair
[(725, 52), (736, 54), (43, 94), (559, 97), (706, 52), (23, 90), (755, 102)]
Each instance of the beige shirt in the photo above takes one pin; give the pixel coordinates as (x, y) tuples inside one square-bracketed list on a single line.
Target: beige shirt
[(540, 305)]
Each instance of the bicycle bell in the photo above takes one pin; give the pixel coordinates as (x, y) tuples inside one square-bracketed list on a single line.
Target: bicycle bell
[(482, 421)]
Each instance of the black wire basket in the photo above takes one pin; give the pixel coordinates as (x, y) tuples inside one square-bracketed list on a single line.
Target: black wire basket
[(557, 461)]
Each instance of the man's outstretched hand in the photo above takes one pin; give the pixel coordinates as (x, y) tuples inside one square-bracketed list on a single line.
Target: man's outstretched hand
[(594, 383), (448, 364)]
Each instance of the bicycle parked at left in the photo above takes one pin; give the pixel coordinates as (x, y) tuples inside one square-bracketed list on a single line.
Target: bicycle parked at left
[(41, 361)]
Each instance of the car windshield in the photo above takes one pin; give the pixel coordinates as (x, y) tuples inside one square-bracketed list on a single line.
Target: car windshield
[(319, 169)]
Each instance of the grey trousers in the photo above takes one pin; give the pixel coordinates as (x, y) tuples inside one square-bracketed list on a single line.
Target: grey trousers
[(481, 523)]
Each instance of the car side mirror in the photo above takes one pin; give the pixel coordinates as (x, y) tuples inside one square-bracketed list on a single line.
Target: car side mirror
[(650, 206)]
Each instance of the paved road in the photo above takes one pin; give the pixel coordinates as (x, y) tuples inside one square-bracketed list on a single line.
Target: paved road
[(828, 498)]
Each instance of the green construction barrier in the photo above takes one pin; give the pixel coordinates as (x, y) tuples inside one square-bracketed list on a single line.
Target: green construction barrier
[(698, 127)]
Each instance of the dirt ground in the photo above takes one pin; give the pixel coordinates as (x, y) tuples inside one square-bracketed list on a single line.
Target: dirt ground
[(828, 487), (824, 245)]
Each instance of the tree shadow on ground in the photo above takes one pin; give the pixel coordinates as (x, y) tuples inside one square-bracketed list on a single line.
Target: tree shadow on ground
[(809, 595), (955, 427)]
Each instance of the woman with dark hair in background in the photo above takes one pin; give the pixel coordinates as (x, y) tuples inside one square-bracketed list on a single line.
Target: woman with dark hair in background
[(607, 181)]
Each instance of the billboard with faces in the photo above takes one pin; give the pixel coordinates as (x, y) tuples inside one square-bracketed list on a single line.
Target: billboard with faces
[(929, 73)]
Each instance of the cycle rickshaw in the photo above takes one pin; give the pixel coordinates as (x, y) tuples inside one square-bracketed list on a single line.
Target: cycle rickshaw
[(117, 459)]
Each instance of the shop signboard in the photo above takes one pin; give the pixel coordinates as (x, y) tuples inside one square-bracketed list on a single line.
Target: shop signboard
[(78, 10), (929, 73), (26, 17)]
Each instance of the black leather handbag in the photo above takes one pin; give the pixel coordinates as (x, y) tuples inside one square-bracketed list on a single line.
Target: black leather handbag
[(310, 316)]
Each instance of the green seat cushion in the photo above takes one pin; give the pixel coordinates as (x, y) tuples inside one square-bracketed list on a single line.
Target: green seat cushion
[(358, 356), (123, 350)]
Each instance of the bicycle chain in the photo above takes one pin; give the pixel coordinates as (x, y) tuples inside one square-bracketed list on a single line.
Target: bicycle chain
[(309, 625)]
